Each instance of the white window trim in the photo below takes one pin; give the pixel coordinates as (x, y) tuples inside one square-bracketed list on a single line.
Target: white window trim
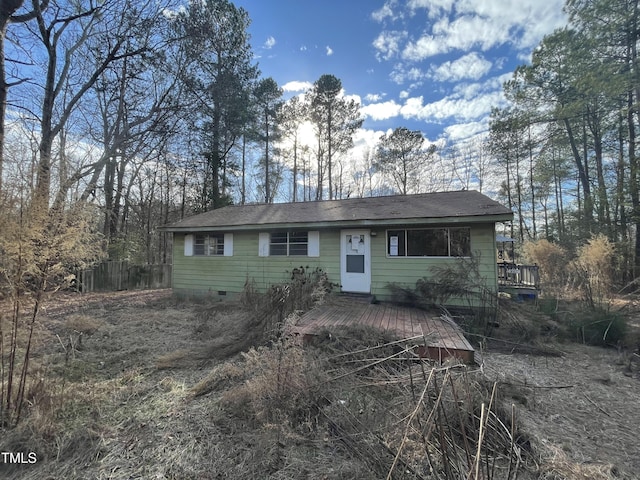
[(228, 245), (189, 245), (313, 245), (264, 239)]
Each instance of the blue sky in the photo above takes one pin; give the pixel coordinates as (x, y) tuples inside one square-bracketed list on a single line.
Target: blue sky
[(430, 65)]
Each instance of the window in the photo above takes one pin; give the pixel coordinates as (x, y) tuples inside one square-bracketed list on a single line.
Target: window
[(429, 242), (208, 244), (460, 242), (288, 243)]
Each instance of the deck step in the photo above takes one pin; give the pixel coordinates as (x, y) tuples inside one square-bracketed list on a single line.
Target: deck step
[(442, 339), (357, 297)]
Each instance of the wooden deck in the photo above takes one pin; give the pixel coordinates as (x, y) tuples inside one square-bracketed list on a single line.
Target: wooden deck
[(440, 338)]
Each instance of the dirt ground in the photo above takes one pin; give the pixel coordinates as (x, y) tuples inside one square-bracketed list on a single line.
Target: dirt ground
[(126, 407)]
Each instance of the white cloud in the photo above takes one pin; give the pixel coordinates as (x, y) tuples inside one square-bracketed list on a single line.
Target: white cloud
[(434, 7), (427, 46), (464, 131), (466, 24), (453, 107), (404, 94), (388, 43), (388, 10), (413, 107), (400, 74), (463, 33), (365, 136), (355, 97), (303, 48), (374, 97), (329, 51), (297, 86), (472, 65), (269, 43), (533, 18), (381, 111)]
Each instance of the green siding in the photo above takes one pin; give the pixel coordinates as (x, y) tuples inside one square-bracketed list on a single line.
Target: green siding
[(405, 271), (201, 275)]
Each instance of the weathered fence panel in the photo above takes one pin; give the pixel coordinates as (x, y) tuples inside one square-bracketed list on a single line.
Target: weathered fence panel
[(115, 276)]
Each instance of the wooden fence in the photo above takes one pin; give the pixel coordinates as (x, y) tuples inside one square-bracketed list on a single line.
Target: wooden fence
[(114, 276)]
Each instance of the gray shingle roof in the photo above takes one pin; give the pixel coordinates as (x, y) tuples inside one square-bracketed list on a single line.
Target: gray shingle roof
[(354, 211)]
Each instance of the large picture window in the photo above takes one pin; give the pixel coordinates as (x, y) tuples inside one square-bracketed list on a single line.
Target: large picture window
[(289, 243), (429, 242), (208, 244)]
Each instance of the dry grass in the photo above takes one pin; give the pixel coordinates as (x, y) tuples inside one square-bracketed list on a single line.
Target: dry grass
[(339, 409), (82, 323), (558, 466), (177, 359), (219, 378)]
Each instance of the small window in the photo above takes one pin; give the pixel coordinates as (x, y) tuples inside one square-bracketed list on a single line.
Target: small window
[(396, 243), (208, 244), (289, 243), (355, 264)]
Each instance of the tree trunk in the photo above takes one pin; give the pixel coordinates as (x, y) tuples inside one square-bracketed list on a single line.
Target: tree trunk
[(295, 168), (267, 187), (583, 176)]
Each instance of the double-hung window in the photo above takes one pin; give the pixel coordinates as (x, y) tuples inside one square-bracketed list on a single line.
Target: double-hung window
[(429, 242), (208, 244), (288, 243)]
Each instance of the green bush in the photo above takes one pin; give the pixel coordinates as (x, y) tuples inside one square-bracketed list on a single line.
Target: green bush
[(548, 306), (599, 327)]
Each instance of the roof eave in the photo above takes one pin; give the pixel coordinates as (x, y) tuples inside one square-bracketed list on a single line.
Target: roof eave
[(490, 218)]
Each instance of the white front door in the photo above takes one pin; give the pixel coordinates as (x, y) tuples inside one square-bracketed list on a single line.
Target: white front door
[(355, 261)]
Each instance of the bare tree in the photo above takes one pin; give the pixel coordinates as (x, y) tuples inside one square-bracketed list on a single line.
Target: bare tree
[(8, 15)]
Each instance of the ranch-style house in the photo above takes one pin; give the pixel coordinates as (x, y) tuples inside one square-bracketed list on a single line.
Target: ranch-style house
[(363, 244)]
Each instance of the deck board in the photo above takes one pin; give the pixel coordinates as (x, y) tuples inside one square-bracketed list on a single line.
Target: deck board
[(442, 337)]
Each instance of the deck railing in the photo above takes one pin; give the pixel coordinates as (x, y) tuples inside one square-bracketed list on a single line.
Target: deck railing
[(515, 275)]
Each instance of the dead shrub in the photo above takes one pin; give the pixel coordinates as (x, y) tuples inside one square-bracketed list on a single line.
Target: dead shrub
[(78, 326), (257, 319), (227, 331), (552, 260), (593, 270), (424, 421), (281, 384), (81, 323), (306, 288), (458, 286)]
